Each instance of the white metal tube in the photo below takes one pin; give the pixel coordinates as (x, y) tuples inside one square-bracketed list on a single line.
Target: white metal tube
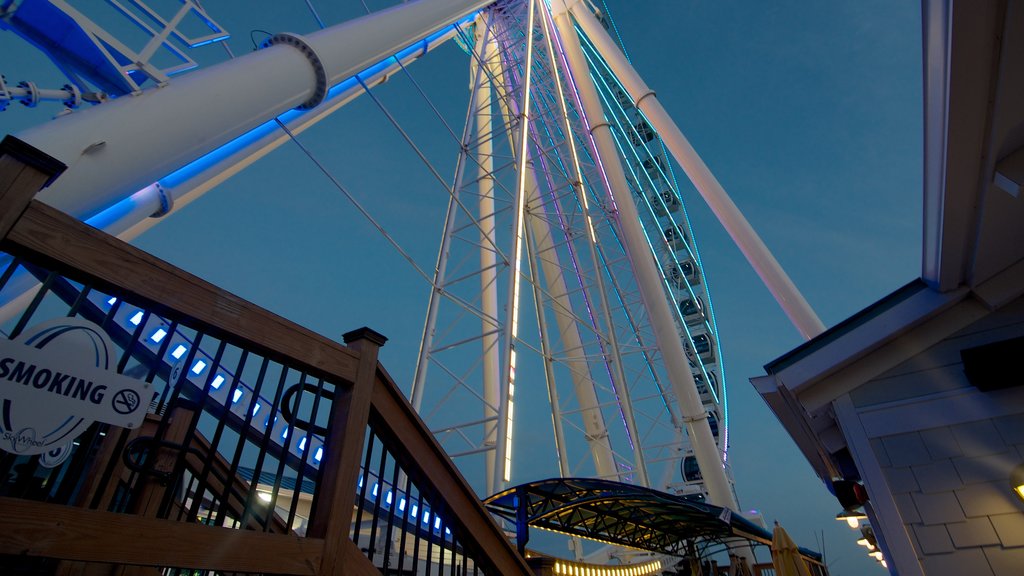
[(131, 216), (647, 273), (441, 267), (545, 348), (120, 147), (739, 229), (613, 355), (180, 192), (491, 351), (594, 425), (569, 334), (506, 409)]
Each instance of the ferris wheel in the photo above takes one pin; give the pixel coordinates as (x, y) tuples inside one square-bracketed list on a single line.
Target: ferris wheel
[(567, 272), (534, 283)]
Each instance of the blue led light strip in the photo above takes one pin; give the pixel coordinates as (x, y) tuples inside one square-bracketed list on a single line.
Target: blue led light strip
[(103, 219), (595, 60)]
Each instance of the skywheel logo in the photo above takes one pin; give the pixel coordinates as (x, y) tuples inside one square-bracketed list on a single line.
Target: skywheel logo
[(57, 379)]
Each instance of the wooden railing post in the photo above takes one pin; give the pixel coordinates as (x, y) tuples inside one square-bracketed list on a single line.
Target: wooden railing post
[(24, 170), (343, 450)]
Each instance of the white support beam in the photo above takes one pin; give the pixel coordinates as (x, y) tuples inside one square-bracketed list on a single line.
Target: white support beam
[(646, 270), (118, 148), (594, 426), (491, 344), (739, 229)]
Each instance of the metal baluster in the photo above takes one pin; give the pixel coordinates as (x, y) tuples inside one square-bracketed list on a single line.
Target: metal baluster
[(243, 438), (8, 272), (430, 536), (264, 444), (83, 296), (285, 453), (391, 516), (377, 501), (215, 441), (407, 498), (31, 309), (300, 473), (370, 441), (416, 533)]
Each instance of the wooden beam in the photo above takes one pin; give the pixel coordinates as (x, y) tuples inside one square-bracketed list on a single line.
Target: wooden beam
[(55, 531), (343, 448), (51, 238), (23, 171), (355, 562), (406, 434)]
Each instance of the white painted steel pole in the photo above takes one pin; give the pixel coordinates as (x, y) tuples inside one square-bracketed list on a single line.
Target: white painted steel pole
[(419, 379), (119, 147), (594, 426), (545, 349), (129, 221), (506, 408), (648, 277), (488, 257), (742, 233), (610, 348)]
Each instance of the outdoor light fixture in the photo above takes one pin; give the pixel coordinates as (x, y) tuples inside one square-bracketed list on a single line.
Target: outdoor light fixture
[(852, 517), (1017, 481)]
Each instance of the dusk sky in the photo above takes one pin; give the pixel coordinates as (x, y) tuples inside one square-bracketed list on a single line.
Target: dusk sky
[(809, 113)]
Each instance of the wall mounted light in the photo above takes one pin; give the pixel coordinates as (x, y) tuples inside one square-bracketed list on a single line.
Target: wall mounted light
[(866, 543), (1017, 481), (852, 517)]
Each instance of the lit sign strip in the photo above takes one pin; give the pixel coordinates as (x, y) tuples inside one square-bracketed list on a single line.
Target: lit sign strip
[(549, 32), (517, 255), (576, 569)]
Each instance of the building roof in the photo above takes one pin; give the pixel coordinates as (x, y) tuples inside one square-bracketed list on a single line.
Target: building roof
[(973, 241), (973, 141), (624, 514)]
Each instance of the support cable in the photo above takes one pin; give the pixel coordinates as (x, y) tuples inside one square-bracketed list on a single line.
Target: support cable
[(348, 195), (319, 21), (423, 158)]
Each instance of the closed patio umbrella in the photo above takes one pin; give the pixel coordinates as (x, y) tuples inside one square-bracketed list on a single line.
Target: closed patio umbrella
[(785, 555)]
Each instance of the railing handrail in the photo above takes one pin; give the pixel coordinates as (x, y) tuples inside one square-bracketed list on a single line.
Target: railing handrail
[(42, 233), (44, 236), (393, 413)]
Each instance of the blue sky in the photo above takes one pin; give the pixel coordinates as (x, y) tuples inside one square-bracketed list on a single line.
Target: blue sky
[(809, 113)]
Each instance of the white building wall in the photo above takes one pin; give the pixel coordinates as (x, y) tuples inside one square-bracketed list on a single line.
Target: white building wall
[(944, 450)]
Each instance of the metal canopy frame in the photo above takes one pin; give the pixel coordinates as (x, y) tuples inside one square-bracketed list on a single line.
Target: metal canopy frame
[(621, 514)]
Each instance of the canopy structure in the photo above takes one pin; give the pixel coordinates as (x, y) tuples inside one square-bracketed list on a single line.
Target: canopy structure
[(622, 514)]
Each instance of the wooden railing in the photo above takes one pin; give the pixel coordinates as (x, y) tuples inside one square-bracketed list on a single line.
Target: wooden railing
[(269, 449)]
